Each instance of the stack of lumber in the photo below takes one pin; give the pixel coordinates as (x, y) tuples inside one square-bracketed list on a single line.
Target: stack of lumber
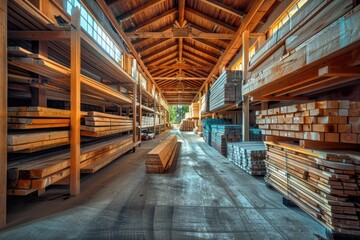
[(37, 128), (206, 127), (160, 158), (36, 172), (205, 105), (226, 90), (187, 115), (187, 125), (336, 121), (325, 184), (249, 156), (149, 121), (194, 110), (102, 124), (222, 134)]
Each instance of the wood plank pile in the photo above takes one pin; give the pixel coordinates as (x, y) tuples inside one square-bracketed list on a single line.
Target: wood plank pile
[(226, 90), (149, 121), (249, 156), (336, 121), (325, 184), (159, 159), (205, 104), (194, 110), (187, 125), (38, 171), (33, 129), (206, 127), (222, 134), (102, 124)]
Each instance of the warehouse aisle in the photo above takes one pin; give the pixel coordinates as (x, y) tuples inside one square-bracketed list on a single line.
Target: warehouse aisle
[(203, 197)]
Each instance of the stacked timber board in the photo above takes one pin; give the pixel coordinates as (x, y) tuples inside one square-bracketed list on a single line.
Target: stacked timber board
[(325, 184), (33, 129), (249, 156), (205, 103), (336, 121), (206, 127), (194, 110), (222, 134), (101, 124), (149, 121), (160, 158), (187, 125), (226, 90), (36, 172)]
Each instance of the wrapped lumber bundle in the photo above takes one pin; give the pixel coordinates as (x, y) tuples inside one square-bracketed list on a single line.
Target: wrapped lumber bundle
[(336, 121), (160, 158), (249, 156), (205, 103), (194, 110), (226, 90), (34, 128), (325, 184), (206, 127), (28, 173), (187, 125), (101, 124), (148, 121), (222, 134)]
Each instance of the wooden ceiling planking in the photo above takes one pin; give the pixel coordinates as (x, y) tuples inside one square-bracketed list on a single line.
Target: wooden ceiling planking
[(154, 45), (201, 52), (158, 52), (207, 46), (138, 10), (196, 56), (141, 43), (162, 59)]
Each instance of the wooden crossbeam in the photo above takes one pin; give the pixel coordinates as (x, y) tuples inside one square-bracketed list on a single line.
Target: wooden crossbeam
[(153, 20), (162, 59), (138, 42), (215, 21), (223, 42), (180, 66), (138, 10), (190, 54), (225, 8), (177, 91), (153, 45), (158, 51), (218, 49), (202, 51), (180, 78), (193, 34), (169, 72), (40, 35)]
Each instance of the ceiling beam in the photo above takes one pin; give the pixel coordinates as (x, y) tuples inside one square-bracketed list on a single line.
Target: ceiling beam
[(138, 42), (202, 51), (218, 49), (175, 91), (180, 78), (153, 45), (215, 21), (193, 34), (167, 73), (225, 8), (153, 20), (138, 10), (181, 66), (195, 73), (158, 51), (205, 59), (162, 58), (201, 29)]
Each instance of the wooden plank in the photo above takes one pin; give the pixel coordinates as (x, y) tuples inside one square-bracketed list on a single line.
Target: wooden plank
[(138, 10), (38, 121), (327, 145), (225, 8), (25, 137), (39, 145), (75, 103), (3, 110), (37, 126)]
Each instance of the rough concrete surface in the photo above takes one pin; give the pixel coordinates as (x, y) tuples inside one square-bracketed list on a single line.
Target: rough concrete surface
[(203, 196)]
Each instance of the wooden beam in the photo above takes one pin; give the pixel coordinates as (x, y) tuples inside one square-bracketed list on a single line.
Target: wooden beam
[(256, 35), (246, 100), (214, 21), (174, 91), (40, 35), (141, 41), (138, 10), (209, 44), (3, 111), (223, 43), (225, 8), (193, 34), (134, 112), (190, 54), (153, 20), (153, 45), (180, 78), (180, 66), (162, 58), (75, 102), (158, 51), (202, 51)]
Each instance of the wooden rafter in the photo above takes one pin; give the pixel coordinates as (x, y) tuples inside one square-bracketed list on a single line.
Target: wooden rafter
[(201, 29), (162, 59), (167, 73), (195, 73), (202, 51), (138, 42), (218, 49), (205, 59), (153, 45), (214, 21), (159, 51), (153, 20), (182, 78), (138, 10), (193, 34), (225, 8)]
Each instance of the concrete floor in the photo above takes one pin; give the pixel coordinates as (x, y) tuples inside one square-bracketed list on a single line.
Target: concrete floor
[(203, 197)]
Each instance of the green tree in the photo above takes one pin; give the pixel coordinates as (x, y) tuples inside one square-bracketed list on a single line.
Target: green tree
[(177, 113)]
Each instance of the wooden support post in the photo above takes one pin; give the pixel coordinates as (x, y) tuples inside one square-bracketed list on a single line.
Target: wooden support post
[(160, 116), (38, 95), (245, 105), (140, 110), (134, 111), (3, 111), (199, 122), (75, 102), (155, 115)]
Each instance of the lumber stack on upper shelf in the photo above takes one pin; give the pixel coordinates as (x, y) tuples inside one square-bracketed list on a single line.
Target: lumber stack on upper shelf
[(336, 121), (325, 184), (194, 110), (36, 172), (101, 124), (205, 103), (226, 90), (187, 125), (160, 158), (249, 156)]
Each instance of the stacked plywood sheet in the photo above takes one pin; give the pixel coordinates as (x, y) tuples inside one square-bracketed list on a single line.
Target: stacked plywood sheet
[(101, 124), (249, 156), (33, 129), (161, 157), (226, 90), (205, 103), (36, 172), (325, 184), (329, 121), (187, 125)]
